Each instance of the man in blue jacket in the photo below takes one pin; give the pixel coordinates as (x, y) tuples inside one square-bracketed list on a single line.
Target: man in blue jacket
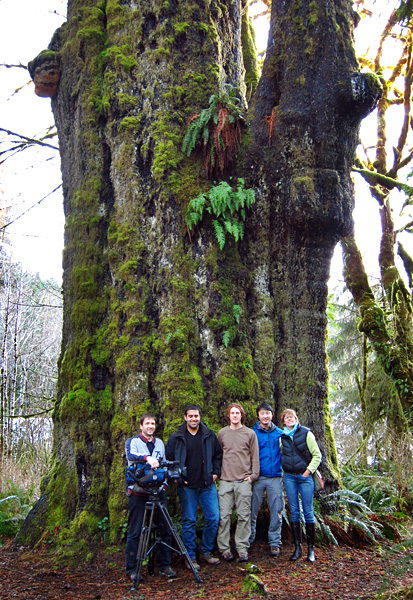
[(270, 479), (199, 452)]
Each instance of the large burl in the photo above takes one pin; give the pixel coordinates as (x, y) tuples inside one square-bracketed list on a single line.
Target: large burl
[(45, 72)]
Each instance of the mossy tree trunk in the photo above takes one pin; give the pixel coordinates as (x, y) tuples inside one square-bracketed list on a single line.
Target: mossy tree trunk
[(146, 305)]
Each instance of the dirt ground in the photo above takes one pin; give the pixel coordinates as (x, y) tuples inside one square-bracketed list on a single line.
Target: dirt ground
[(339, 573)]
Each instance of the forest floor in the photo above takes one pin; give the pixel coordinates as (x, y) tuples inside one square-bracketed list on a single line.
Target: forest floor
[(339, 573)]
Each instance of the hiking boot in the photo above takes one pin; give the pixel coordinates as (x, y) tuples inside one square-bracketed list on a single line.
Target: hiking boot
[(227, 556), (275, 551), (167, 572), (195, 564), (243, 557), (208, 558)]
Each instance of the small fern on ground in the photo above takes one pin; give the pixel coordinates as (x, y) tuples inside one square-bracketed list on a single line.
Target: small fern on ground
[(227, 205), (217, 129)]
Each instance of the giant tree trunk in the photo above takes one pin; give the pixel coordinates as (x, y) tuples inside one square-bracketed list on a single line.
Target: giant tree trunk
[(146, 305)]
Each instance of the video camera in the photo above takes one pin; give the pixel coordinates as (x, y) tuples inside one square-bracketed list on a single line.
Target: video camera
[(152, 479)]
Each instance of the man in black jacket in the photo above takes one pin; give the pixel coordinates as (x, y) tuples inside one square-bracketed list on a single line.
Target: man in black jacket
[(198, 450)]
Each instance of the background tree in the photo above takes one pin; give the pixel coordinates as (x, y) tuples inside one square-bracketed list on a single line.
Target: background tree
[(30, 335), (157, 318), (365, 409), (388, 325)]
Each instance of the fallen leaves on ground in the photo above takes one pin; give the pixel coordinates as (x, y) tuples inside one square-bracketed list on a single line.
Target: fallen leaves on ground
[(338, 574)]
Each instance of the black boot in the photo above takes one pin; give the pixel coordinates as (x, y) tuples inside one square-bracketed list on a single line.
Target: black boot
[(296, 529), (310, 533)]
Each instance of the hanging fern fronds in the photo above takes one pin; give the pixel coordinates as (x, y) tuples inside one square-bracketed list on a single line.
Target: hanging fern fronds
[(229, 207), (220, 233), (217, 129)]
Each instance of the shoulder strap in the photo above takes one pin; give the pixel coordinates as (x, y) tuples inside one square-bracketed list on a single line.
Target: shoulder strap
[(297, 450)]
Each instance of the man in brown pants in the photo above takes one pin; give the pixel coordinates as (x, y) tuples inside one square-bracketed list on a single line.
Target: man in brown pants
[(240, 467)]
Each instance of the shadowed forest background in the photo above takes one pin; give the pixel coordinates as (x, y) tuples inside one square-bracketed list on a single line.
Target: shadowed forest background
[(205, 190)]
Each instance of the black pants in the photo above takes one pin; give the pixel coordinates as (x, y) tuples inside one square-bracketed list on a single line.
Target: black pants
[(136, 508)]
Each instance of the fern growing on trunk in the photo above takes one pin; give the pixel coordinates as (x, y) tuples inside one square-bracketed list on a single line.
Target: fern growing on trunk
[(229, 207), (217, 128)]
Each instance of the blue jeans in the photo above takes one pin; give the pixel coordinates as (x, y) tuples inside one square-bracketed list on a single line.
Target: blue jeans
[(274, 488), (297, 484), (208, 499)]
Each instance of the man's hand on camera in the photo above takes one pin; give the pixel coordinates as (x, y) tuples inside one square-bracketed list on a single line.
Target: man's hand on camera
[(153, 462)]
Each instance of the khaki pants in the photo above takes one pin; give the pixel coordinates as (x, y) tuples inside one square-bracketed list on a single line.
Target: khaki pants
[(238, 494)]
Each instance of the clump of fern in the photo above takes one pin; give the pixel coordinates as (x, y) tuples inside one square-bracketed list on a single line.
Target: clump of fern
[(227, 205), (217, 129), (387, 497), (15, 504), (351, 512)]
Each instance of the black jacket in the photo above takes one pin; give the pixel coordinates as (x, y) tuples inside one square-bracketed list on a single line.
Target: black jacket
[(291, 461), (211, 459)]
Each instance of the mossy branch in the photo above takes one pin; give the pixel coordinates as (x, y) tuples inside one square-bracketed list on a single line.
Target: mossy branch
[(373, 178)]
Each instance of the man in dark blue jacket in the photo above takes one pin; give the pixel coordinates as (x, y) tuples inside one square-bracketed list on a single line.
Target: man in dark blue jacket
[(198, 450), (270, 479)]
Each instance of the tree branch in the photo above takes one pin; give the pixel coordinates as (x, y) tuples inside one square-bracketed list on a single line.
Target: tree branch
[(30, 208), (19, 66), (29, 141)]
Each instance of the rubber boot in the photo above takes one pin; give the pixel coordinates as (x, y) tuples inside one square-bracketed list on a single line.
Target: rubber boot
[(296, 529), (310, 534)]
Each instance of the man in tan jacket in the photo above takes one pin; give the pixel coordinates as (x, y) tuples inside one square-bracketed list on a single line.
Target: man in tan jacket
[(240, 467)]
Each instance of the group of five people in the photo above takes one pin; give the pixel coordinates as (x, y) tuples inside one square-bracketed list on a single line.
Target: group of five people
[(248, 463)]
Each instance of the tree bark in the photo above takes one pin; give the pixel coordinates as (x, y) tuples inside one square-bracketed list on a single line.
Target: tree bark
[(146, 306)]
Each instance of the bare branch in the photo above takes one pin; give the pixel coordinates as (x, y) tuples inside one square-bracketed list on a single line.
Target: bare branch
[(19, 66), (29, 141), (30, 208)]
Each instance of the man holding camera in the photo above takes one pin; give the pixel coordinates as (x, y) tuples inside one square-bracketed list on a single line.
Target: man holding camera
[(197, 449), (145, 448)]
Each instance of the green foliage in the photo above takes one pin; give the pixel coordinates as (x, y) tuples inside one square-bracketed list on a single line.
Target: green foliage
[(404, 12), (232, 331), (15, 504), (364, 398), (368, 509), (199, 127), (229, 207), (385, 492), (226, 338), (104, 527), (350, 509)]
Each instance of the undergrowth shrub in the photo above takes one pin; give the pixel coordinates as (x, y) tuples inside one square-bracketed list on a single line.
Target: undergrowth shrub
[(15, 504), (367, 510)]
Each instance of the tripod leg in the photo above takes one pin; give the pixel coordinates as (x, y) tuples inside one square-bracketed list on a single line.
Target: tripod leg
[(144, 541), (151, 558), (179, 542)]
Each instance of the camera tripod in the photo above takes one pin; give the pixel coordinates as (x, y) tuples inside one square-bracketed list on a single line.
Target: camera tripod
[(148, 541)]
